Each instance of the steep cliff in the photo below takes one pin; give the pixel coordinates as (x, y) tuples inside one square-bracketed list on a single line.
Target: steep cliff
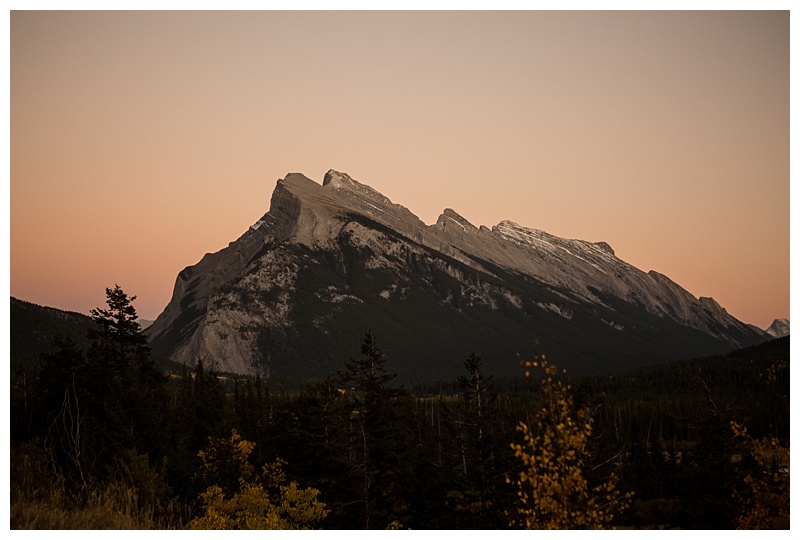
[(291, 297)]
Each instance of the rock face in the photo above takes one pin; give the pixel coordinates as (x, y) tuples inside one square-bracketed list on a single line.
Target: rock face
[(779, 328), (292, 297)]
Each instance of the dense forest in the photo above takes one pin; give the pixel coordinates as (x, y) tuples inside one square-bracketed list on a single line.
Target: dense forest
[(103, 438)]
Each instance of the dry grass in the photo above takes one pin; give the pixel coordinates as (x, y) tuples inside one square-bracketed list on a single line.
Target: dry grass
[(45, 515), (113, 507), (40, 499)]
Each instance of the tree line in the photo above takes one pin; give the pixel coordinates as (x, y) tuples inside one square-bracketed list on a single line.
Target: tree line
[(101, 438)]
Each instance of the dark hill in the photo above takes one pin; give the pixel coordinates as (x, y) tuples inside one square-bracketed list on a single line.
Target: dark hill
[(33, 328)]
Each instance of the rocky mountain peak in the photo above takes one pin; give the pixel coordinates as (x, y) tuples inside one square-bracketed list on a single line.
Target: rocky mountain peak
[(336, 178), (779, 328), (605, 247), (521, 235), (450, 218), (344, 184)]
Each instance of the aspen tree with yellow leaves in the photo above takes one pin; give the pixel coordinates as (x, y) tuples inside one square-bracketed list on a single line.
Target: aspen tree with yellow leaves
[(766, 492), (553, 489), (259, 501)]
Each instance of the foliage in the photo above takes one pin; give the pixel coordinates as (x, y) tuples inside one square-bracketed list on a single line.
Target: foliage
[(90, 408), (65, 405), (767, 482), (200, 410), (263, 501), (554, 492), (225, 462), (137, 475), (101, 440), (40, 500), (252, 508)]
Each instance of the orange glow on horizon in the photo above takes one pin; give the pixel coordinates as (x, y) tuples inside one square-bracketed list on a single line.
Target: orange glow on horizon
[(142, 140)]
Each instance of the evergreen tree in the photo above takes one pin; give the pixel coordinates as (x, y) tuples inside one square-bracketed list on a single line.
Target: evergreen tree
[(314, 434), (118, 338), (708, 476), (475, 422), (199, 412), (475, 459), (125, 390), (379, 436), (95, 407), (210, 404)]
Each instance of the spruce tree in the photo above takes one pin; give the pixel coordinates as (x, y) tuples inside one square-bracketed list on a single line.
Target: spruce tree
[(126, 390), (472, 449), (379, 436)]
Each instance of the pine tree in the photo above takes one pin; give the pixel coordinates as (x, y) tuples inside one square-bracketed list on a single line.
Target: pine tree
[(379, 436), (475, 421), (314, 433), (125, 389), (118, 337), (475, 460)]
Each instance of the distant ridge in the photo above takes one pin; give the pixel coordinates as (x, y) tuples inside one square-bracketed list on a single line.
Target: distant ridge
[(779, 328), (33, 327)]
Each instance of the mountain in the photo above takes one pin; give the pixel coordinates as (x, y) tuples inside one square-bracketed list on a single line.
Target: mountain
[(33, 328), (779, 328), (144, 323), (292, 297)]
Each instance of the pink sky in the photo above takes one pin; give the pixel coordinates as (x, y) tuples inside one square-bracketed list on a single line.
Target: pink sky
[(142, 140)]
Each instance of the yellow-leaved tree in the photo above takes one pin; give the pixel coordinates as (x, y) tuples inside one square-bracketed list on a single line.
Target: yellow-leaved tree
[(239, 499), (553, 489), (766, 493)]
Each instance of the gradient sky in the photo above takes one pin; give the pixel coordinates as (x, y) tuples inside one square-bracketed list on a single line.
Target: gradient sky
[(142, 140)]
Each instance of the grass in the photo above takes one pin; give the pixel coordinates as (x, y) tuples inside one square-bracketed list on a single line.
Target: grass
[(113, 507)]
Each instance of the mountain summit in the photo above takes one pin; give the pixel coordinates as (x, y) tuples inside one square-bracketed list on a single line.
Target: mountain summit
[(779, 328), (292, 297)]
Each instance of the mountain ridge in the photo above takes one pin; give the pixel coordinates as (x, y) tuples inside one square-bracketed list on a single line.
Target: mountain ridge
[(239, 306)]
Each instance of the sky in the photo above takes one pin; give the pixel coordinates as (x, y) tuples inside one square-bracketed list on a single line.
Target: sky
[(139, 141)]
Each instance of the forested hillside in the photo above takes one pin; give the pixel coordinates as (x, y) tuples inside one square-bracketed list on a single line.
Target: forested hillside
[(32, 328), (102, 438)]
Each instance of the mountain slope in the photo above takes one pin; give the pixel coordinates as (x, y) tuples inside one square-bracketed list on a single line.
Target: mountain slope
[(293, 295), (33, 328)]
